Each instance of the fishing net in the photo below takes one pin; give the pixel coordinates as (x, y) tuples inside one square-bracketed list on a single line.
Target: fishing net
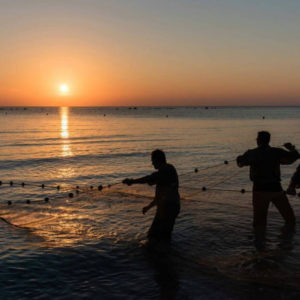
[(221, 182), (53, 200)]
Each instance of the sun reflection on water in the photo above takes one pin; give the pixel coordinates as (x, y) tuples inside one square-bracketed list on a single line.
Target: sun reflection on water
[(64, 117), (64, 131)]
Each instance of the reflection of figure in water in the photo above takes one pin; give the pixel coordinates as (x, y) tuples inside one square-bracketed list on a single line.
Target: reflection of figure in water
[(166, 273), (166, 197), (294, 183), (264, 162), (166, 276)]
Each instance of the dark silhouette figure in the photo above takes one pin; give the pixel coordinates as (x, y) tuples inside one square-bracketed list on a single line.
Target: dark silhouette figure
[(294, 183), (264, 162), (167, 199)]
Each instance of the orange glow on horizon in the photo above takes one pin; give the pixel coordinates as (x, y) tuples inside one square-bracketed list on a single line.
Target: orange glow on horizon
[(99, 78)]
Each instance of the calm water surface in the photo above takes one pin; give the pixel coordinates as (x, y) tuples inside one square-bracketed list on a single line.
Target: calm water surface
[(90, 246)]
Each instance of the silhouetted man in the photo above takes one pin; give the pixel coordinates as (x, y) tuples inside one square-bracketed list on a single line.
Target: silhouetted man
[(167, 199), (264, 162), (294, 183)]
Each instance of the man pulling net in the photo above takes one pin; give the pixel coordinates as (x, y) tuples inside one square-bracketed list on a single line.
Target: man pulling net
[(264, 162), (167, 199)]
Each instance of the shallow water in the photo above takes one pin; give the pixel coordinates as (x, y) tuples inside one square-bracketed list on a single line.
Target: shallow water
[(91, 245)]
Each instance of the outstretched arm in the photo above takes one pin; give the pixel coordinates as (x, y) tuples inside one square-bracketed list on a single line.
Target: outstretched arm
[(130, 181), (146, 179), (288, 157), (150, 179), (243, 160)]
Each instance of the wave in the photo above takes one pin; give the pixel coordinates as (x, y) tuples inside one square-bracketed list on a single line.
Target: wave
[(5, 164), (79, 141)]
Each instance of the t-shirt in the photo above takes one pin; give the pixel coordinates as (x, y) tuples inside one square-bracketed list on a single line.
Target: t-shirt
[(166, 191), (265, 164)]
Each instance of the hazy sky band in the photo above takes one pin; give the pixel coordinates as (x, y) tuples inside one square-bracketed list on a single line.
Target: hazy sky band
[(150, 52)]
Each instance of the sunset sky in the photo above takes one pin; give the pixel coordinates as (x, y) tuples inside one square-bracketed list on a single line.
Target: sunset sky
[(137, 52)]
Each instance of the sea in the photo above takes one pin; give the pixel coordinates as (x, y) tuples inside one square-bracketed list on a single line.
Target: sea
[(70, 229)]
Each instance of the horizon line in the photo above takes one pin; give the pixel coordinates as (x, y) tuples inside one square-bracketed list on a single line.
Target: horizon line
[(146, 106)]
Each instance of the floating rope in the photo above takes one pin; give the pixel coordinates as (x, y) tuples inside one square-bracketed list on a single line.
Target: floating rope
[(212, 183)]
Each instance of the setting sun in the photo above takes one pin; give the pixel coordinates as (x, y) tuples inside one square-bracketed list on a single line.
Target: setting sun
[(64, 89)]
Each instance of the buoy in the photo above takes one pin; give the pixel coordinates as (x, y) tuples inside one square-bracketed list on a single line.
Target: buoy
[(42, 186), (23, 184), (243, 191), (100, 187), (204, 189), (28, 201), (8, 202), (46, 199), (196, 170), (71, 195), (11, 183), (226, 162)]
